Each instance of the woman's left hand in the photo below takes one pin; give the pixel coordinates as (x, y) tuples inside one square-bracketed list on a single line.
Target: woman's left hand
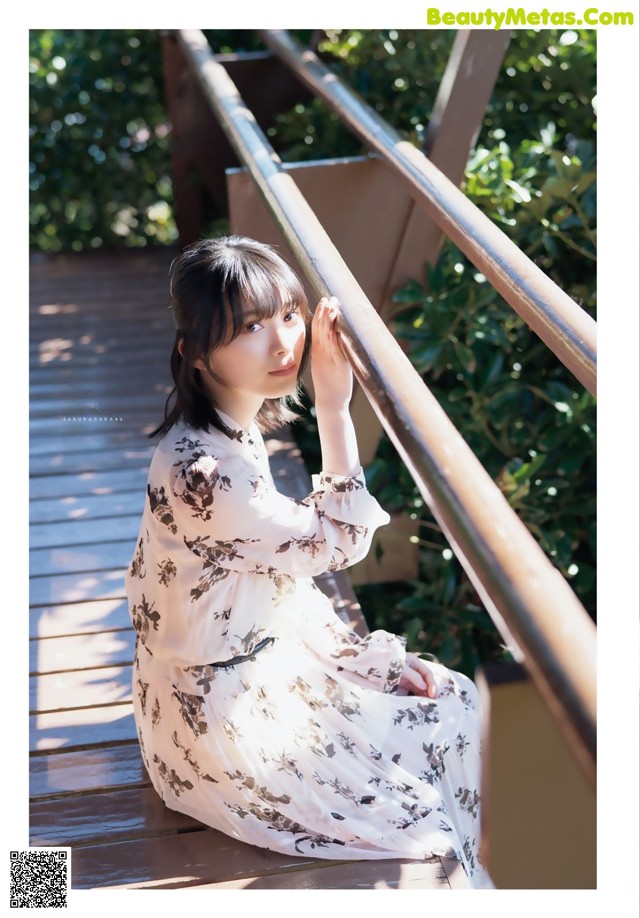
[(330, 370), (417, 677)]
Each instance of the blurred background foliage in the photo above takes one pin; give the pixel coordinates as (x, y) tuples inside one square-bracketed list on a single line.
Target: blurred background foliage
[(100, 176)]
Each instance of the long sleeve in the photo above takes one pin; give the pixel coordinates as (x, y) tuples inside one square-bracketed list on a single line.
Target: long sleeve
[(377, 659), (233, 518)]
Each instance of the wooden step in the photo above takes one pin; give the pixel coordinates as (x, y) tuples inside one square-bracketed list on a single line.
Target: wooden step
[(81, 587), (94, 770), (80, 558), (70, 487), (99, 616), (81, 651), (81, 728), (89, 506)]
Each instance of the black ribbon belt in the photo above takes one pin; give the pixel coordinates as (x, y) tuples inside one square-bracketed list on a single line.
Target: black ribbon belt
[(247, 656)]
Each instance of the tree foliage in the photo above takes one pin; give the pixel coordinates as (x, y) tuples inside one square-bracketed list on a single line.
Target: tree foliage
[(99, 166)]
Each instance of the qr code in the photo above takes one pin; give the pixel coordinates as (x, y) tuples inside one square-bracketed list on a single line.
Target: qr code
[(39, 878)]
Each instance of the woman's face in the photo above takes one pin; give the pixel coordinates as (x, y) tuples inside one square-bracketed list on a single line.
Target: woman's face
[(263, 361)]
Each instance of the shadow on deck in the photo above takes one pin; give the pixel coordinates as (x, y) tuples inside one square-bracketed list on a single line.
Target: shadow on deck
[(100, 337)]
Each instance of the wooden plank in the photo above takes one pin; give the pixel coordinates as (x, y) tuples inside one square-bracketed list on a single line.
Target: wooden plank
[(93, 371), (50, 345), (79, 618), (458, 113), (124, 264), (91, 437), (81, 728), (80, 689), (59, 351), (79, 532), (74, 507), (47, 408), (62, 773), (80, 559), (83, 587), (102, 362), (190, 858), (54, 299), (81, 651), (93, 433), (156, 385), (97, 369), (455, 873), (98, 270), (104, 460), (96, 317), (86, 314), (62, 486), (124, 814), (384, 874)]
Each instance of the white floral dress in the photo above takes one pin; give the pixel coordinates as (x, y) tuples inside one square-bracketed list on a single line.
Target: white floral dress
[(258, 711)]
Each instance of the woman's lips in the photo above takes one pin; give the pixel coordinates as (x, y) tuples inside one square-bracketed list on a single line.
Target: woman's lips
[(285, 371)]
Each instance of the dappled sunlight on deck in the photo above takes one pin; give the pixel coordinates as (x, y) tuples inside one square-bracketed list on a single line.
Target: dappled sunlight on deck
[(55, 349), (92, 404), (81, 726)]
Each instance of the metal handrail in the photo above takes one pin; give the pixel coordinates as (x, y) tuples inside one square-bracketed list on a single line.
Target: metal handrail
[(517, 583), (558, 320)]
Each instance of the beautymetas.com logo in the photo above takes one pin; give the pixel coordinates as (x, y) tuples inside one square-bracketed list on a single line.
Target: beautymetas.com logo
[(518, 17)]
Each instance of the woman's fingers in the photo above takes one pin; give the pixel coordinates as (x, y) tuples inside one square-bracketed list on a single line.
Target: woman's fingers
[(324, 320), (330, 369), (432, 689), (423, 674), (413, 681)]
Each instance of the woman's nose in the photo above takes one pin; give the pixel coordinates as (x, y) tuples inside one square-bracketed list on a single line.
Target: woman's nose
[(282, 338)]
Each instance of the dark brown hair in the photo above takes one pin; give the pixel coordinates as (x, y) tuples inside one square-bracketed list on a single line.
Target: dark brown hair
[(214, 284)]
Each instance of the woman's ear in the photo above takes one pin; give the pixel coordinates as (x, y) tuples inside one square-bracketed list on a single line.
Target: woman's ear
[(198, 363)]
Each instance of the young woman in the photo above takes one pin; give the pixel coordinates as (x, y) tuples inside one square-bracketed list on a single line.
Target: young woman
[(258, 711)]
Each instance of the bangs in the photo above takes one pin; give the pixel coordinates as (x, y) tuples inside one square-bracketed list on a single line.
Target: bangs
[(256, 291)]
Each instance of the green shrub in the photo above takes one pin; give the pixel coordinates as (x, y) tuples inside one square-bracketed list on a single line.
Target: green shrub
[(522, 413), (99, 164)]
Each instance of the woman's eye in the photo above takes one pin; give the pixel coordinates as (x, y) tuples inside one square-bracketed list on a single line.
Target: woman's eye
[(288, 316), (252, 327)]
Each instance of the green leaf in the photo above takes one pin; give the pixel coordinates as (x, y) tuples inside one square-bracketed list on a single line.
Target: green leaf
[(465, 356), (520, 192), (411, 293), (425, 358), (557, 187)]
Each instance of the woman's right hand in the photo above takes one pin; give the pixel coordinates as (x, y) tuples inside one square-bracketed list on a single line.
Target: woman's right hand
[(330, 370), (417, 677)]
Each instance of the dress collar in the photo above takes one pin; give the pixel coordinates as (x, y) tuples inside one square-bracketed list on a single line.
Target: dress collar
[(237, 432), (249, 440)]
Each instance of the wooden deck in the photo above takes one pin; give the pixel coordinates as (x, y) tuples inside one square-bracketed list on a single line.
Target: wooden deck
[(100, 336)]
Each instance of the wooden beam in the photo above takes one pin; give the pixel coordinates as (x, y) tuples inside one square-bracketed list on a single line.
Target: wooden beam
[(456, 119)]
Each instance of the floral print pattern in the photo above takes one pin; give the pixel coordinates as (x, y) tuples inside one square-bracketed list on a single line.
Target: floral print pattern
[(259, 712)]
